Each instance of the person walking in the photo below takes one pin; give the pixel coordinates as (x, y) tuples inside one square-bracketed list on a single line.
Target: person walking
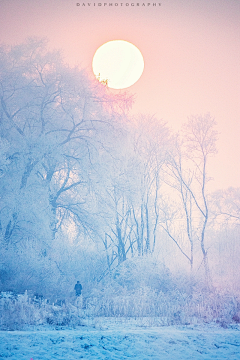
[(78, 288), (79, 299)]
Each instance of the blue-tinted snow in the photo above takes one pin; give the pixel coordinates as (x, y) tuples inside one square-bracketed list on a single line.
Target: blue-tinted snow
[(115, 340)]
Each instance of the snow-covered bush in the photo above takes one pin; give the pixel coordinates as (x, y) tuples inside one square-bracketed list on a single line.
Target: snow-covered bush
[(171, 308), (19, 311), (144, 288)]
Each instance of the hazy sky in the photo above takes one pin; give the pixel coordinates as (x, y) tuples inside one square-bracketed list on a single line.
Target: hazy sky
[(191, 50)]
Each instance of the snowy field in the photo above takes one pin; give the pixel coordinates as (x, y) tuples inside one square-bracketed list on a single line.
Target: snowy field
[(119, 340)]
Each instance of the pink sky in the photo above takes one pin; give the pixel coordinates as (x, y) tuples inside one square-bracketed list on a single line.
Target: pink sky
[(191, 50)]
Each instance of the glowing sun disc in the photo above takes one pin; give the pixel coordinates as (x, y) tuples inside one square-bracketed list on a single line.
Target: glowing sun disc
[(118, 63)]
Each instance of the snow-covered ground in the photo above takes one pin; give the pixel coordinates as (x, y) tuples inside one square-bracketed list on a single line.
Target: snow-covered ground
[(112, 339)]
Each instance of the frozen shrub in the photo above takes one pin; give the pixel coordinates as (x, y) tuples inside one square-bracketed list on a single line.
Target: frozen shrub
[(19, 311), (172, 307), (136, 273)]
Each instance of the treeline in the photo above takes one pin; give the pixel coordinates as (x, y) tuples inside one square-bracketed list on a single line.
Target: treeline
[(84, 186)]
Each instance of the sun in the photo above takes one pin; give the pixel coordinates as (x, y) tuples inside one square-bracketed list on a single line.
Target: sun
[(118, 63)]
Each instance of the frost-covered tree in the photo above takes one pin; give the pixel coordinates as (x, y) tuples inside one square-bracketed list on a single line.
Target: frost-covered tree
[(54, 121), (151, 145), (53, 117), (226, 206), (130, 193), (187, 173)]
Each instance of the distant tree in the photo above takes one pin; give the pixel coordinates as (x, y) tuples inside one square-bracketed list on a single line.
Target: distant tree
[(131, 189), (187, 173), (151, 145), (226, 206), (177, 204)]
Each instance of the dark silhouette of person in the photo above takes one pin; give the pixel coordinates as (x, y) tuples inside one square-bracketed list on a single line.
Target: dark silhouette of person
[(78, 288)]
